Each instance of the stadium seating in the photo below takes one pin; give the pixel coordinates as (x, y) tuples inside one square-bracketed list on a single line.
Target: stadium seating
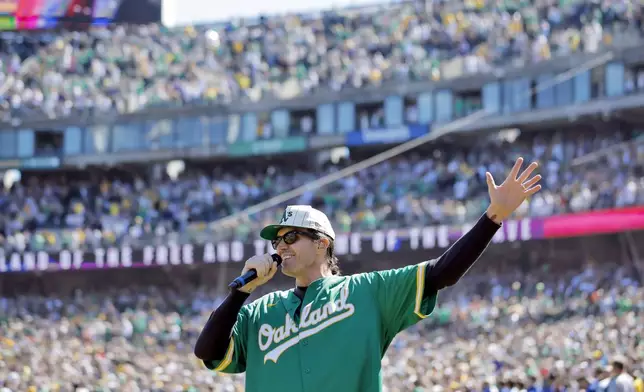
[(533, 321), (126, 69), (547, 325), (439, 185)]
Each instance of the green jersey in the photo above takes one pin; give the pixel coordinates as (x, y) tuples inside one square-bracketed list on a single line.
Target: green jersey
[(336, 342)]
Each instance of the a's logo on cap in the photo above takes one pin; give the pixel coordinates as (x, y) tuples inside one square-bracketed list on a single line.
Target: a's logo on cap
[(286, 216)]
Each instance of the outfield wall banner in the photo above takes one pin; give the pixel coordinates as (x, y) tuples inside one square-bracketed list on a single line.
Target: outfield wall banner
[(374, 245), (269, 146), (596, 222), (385, 135)]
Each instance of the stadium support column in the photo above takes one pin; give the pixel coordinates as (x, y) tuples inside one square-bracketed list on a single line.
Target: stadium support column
[(156, 171), (317, 158), (634, 254)]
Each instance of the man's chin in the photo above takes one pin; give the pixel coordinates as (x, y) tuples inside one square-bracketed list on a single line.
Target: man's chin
[(287, 272)]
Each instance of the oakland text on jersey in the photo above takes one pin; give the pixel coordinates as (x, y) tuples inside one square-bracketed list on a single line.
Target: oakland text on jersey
[(312, 322)]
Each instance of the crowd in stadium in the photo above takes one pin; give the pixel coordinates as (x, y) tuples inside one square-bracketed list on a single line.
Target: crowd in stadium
[(496, 330), (441, 185), (128, 68)]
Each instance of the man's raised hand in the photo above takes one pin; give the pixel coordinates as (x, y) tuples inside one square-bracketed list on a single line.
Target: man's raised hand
[(508, 196)]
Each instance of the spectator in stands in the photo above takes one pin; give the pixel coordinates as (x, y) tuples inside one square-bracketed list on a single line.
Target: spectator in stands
[(620, 380)]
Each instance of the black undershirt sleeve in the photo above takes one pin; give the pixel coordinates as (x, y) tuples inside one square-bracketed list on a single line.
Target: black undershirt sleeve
[(446, 270), (214, 339)]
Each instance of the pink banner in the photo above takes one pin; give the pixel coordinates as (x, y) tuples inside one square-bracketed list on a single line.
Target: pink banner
[(598, 222)]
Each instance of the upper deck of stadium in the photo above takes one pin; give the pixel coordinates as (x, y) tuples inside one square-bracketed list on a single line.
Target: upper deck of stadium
[(126, 69)]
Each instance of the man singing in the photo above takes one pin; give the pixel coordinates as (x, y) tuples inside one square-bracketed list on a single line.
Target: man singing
[(330, 332)]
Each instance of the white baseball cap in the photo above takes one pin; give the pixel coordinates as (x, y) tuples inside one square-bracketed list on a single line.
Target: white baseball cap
[(300, 216)]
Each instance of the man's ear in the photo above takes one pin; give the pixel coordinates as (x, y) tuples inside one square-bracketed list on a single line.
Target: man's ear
[(323, 243)]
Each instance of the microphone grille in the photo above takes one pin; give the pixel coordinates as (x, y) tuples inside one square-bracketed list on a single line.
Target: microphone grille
[(277, 258)]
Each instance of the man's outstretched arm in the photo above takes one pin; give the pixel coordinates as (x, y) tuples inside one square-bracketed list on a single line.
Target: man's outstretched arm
[(446, 270), (450, 267)]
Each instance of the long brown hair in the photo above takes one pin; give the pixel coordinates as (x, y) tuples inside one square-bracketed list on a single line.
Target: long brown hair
[(331, 259)]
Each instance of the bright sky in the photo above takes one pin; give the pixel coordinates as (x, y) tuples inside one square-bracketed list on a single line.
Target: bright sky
[(183, 12)]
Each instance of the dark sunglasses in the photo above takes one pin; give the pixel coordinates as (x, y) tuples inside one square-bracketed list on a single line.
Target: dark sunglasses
[(291, 237)]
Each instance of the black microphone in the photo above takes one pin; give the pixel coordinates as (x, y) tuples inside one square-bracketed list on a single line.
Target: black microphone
[(251, 275)]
